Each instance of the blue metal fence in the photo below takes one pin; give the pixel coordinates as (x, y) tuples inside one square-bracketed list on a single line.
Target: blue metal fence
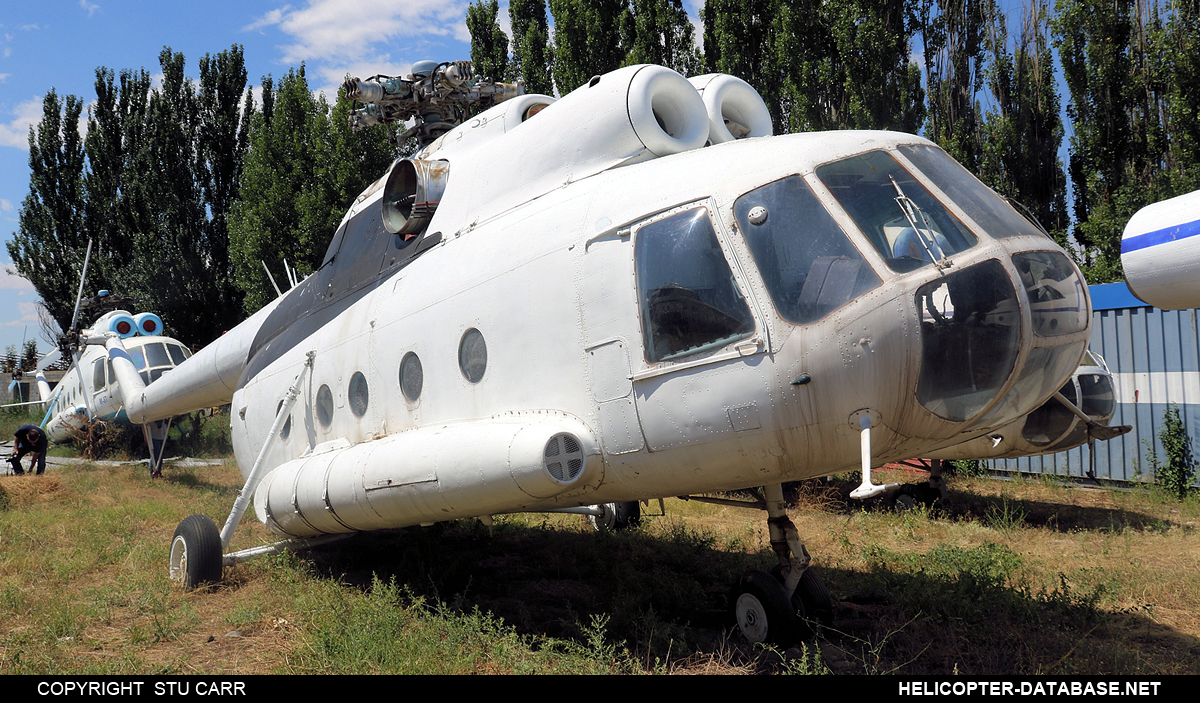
[(1155, 359)]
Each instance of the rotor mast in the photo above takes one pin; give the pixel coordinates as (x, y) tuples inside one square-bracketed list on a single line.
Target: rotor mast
[(436, 96)]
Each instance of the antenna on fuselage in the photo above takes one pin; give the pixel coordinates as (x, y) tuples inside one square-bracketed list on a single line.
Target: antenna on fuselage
[(274, 285)]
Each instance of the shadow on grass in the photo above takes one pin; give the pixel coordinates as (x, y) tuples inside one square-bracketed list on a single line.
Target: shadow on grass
[(1007, 512), (667, 596)]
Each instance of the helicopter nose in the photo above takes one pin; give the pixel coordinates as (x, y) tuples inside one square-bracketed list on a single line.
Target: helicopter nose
[(977, 323)]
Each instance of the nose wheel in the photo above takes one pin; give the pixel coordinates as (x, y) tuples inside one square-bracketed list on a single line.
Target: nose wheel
[(791, 601)]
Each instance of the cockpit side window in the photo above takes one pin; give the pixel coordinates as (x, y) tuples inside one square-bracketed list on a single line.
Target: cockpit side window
[(809, 266), (979, 202), (903, 221), (689, 300), (178, 354)]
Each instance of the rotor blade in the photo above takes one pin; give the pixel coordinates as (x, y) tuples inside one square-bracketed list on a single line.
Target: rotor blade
[(50, 358), (79, 296)]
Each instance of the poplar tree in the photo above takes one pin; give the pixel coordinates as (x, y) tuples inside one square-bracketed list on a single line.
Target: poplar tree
[(660, 32), (532, 52), (1023, 132), (48, 247), (1118, 63), (489, 45), (303, 169), (954, 40), (587, 40)]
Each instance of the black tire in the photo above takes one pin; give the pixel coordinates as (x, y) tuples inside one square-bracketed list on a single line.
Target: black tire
[(761, 610), (617, 516), (811, 600), (818, 605), (196, 552)]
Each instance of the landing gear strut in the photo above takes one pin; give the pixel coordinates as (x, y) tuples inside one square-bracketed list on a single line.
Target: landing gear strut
[(788, 603)]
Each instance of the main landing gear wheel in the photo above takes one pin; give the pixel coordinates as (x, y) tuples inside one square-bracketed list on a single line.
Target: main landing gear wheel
[(811, 596), (762, 611), (196, 552), (616, 516)]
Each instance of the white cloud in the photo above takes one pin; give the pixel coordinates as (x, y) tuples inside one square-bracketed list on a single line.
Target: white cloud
[(5, 205), (271, 18), (90, 7), (4, 76), (28, 315), (349, 32), (9, 280), (15, 133)]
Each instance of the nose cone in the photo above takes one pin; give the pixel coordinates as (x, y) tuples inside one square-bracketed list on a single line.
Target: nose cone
[(978, 323)]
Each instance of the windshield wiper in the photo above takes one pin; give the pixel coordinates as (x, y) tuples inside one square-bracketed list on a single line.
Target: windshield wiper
[(924, 231)]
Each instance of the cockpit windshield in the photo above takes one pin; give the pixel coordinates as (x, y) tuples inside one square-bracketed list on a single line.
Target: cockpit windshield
[(979, 202), (902, 220), (154, 358)]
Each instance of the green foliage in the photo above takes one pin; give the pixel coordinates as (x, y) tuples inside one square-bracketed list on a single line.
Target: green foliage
[(47, 249), (659, 32), (954, 50), (1180, 470), (151, 185), (533, 54), (830, 65), (489, 44), (1022, 135), (1134, 122), (302, 170), (587, 40)]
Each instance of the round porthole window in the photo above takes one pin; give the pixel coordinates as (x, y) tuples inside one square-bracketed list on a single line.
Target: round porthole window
[(412, 377), (472, 355), (359, 396), (287, 425), (325, 406)]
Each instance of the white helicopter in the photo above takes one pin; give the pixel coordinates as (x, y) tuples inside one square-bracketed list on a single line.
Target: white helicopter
[(89, 390), (1160, 252), (631, 292)]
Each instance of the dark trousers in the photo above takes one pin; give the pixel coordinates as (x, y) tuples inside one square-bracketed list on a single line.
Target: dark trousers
[(22, 451)]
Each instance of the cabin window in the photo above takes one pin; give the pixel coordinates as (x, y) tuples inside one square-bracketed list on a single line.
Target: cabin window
[(472, 355), (138, 358), (809, 266), (412, 377), (325, 406), (903, 221), (287, 424), (970, 337), (98, 381), (979, 202), (689, 301), (359, 394)]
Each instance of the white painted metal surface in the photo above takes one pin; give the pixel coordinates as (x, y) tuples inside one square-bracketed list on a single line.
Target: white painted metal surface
[(1160, 252)]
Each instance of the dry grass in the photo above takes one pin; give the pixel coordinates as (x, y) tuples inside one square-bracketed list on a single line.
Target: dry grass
[(1022, 577)]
